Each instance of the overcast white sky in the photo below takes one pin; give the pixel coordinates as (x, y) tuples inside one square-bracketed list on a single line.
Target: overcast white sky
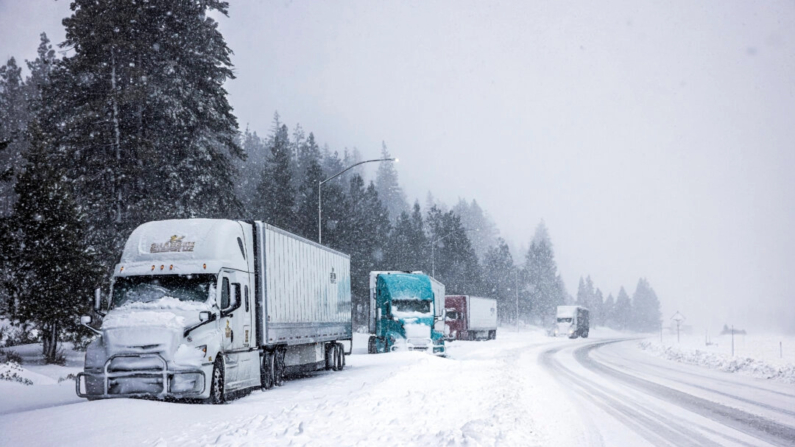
[(655, 138)]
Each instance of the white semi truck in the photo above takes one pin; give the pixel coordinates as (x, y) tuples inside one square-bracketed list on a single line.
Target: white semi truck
[(572, 322), (202, 308)]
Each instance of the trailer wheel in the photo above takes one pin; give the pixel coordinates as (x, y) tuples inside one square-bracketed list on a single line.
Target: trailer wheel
[(340, 357), (278, 366), (266, 371), (330, 356), (335, 357), (217, 395), (371, 347)]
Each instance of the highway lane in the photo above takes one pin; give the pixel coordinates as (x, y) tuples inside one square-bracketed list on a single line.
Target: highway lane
[(630, 398)]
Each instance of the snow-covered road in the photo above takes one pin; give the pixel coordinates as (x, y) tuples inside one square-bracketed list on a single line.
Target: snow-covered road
[(629, 398), (521, 389)]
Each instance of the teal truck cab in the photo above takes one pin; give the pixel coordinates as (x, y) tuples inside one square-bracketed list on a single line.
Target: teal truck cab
[(406, 313)]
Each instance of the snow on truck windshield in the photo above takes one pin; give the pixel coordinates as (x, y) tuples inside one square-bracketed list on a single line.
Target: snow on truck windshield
[(412, 306), (146, 289)]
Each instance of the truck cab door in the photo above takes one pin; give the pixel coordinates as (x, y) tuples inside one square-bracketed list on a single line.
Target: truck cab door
[(234, 319)]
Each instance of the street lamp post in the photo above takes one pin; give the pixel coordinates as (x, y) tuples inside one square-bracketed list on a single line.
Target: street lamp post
[(433, 248), (319, 197)]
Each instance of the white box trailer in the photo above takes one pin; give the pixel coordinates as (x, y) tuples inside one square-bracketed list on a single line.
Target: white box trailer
[(306, 289), (470, 317), (200, 308)]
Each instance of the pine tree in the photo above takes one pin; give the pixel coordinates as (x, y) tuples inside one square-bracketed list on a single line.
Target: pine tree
[(473, 217), (409, 248), (541, 280), (388, 187), (456, 263), (501, 280), (597, 309), (14, 116), (365, 235), (144, 124), (311, 175), (622, 312), (55, 273), (250, 171), (608, 311), (646, 315), (275, 199)]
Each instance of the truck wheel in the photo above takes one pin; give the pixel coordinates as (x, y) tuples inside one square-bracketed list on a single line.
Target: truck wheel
[(217, 395), (278, 367), (266, 371), (371, 347), (330, 356), (493, 335), (335, 356), (585, 334), (341, 356)]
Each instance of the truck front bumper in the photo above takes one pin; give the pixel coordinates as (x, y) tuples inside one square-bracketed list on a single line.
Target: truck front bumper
[(138, 375)]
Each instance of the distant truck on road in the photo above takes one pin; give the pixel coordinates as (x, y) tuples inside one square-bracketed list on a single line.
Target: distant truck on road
[(470, 317), (201, 308), (406, 312), (572, 322)]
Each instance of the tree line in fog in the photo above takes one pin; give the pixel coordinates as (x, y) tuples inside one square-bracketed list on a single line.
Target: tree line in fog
[(128, 121)]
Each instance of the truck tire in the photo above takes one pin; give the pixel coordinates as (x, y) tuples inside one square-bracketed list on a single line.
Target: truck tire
[(335, 355), (217, 394), (585, 334), (371, 346), (266, 371), (278, 366), (341, 350), (330, 356), (492, 335)]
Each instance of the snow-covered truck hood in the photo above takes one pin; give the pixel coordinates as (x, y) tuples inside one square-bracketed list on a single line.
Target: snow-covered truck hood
[(154, 327), (415, 324)]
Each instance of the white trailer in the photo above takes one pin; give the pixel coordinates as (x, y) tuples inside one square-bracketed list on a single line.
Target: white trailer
[(200, 308), (470, 317)]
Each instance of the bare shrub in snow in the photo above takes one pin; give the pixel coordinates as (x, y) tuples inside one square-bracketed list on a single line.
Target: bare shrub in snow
[(9, 356), (10, 371)]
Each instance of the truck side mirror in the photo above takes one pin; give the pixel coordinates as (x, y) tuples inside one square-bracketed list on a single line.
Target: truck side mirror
[(86, 320), (204, 315), (379, 313), (97, 299)]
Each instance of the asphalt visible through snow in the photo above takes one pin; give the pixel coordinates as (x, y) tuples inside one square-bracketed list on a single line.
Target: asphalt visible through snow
[(629, 398)]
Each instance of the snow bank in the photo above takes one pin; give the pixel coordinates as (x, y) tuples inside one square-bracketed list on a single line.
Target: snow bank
[(739, 364)]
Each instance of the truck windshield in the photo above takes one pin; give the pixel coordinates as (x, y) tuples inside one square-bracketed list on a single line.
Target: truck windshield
[(145, 289), (412, 306), (564, 320)]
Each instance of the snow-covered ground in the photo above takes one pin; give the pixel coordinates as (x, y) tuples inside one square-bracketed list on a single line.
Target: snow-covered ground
[(51, 385), (523, 388), (761, 356), (483, 393)]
